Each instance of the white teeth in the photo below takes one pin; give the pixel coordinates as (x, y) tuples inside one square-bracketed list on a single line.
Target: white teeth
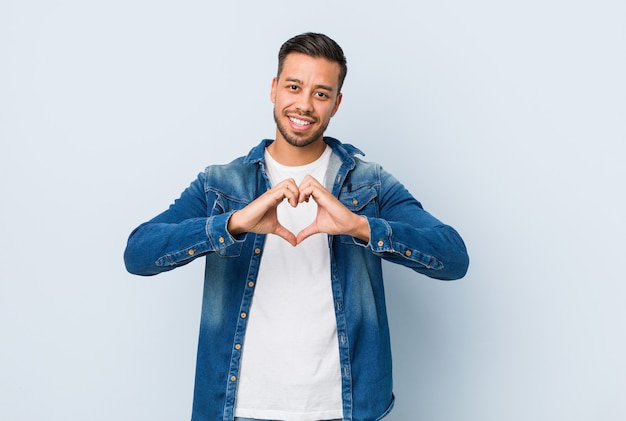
[(299, 122)]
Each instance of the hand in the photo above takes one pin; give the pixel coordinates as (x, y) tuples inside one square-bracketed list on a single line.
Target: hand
[(332, 216), (260, 216)]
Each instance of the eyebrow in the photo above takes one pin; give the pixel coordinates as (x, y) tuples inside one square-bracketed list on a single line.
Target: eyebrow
[(325, 87)]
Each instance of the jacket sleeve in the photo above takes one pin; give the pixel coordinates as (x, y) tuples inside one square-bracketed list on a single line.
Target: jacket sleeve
[(407, 234), (184, 232)]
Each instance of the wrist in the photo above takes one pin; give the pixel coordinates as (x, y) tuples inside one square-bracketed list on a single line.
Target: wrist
[(361, 229), (232, 225)]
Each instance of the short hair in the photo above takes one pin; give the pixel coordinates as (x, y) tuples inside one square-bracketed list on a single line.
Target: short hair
[(314, 45)]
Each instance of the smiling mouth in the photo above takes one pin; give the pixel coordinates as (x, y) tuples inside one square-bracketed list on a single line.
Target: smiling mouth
[(299, 123)]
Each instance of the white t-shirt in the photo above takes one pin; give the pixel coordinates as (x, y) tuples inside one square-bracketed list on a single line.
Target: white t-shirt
[(290, 362)]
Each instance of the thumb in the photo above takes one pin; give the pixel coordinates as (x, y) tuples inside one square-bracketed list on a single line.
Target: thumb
[(307, 232), (285, 234)]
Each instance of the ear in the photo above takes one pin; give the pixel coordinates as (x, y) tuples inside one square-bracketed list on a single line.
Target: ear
[(273, 91), (337, 102)]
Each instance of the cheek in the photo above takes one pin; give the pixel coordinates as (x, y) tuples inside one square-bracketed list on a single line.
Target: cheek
[(329, 112), (281, 101)]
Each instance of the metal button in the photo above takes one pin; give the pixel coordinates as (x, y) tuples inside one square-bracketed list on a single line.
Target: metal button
[(221, 240), (191, 252), (244, 315), (380, 243), (355, 202), (407, 253), (257, 250), (250, 284)]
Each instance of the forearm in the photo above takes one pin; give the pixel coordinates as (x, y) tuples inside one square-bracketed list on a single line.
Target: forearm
[(179, 235), (405, 233), (151, 245), (437, 251)]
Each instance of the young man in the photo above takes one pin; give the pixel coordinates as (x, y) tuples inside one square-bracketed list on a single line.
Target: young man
[(294, 325)]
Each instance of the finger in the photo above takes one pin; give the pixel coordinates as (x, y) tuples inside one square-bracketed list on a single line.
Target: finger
[(304, 196), (317, 193), (310, 187), (287, 189), (285, 234), (306, 192), (291, 194), (306, 233), (309, 180)]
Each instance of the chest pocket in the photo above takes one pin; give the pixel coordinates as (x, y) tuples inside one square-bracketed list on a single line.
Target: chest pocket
[(360, 200), (224, 203)]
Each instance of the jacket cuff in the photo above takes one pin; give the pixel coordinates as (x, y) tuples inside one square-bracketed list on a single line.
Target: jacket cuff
[(220, 239), (380, 235)]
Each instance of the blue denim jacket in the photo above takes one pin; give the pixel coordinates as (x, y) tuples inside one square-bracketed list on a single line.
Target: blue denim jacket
[(195, 225)]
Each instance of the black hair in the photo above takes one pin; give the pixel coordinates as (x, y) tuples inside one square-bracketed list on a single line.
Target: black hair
[(314, 45)]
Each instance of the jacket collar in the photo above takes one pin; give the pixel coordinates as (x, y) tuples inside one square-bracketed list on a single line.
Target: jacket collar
[(344, 151)]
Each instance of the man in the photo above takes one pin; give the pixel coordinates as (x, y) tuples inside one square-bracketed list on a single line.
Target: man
[(294, 325)]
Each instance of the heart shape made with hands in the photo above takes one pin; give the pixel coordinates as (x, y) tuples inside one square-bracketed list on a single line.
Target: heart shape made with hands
[(296, 212), (331, 216)]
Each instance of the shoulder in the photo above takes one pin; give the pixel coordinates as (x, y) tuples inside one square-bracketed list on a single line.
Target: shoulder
[(237, 168), (366, 170), (237, 179)]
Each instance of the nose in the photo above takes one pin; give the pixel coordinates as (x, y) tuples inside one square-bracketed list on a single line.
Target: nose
[(304, 103)]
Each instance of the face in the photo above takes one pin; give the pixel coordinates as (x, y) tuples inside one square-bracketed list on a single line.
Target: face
[(305, 97)]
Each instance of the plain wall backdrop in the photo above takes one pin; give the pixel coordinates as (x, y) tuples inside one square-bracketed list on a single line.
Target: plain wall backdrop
[(505, 119)]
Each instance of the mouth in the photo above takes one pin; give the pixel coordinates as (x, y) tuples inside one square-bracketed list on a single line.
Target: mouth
[(299, 124)]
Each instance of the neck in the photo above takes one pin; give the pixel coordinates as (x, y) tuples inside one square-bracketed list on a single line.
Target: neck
[(289, 155)]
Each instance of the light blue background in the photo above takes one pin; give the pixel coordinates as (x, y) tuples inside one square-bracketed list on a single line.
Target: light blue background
[(506, 119)]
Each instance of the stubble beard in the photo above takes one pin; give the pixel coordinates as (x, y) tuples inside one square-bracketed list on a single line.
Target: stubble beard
[(296, 140)]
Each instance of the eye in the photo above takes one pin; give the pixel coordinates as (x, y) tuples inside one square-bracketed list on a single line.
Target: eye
[(292, 87), (322, 95)]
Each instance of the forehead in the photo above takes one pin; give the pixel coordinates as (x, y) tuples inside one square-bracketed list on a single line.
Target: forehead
[(308, 69)]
